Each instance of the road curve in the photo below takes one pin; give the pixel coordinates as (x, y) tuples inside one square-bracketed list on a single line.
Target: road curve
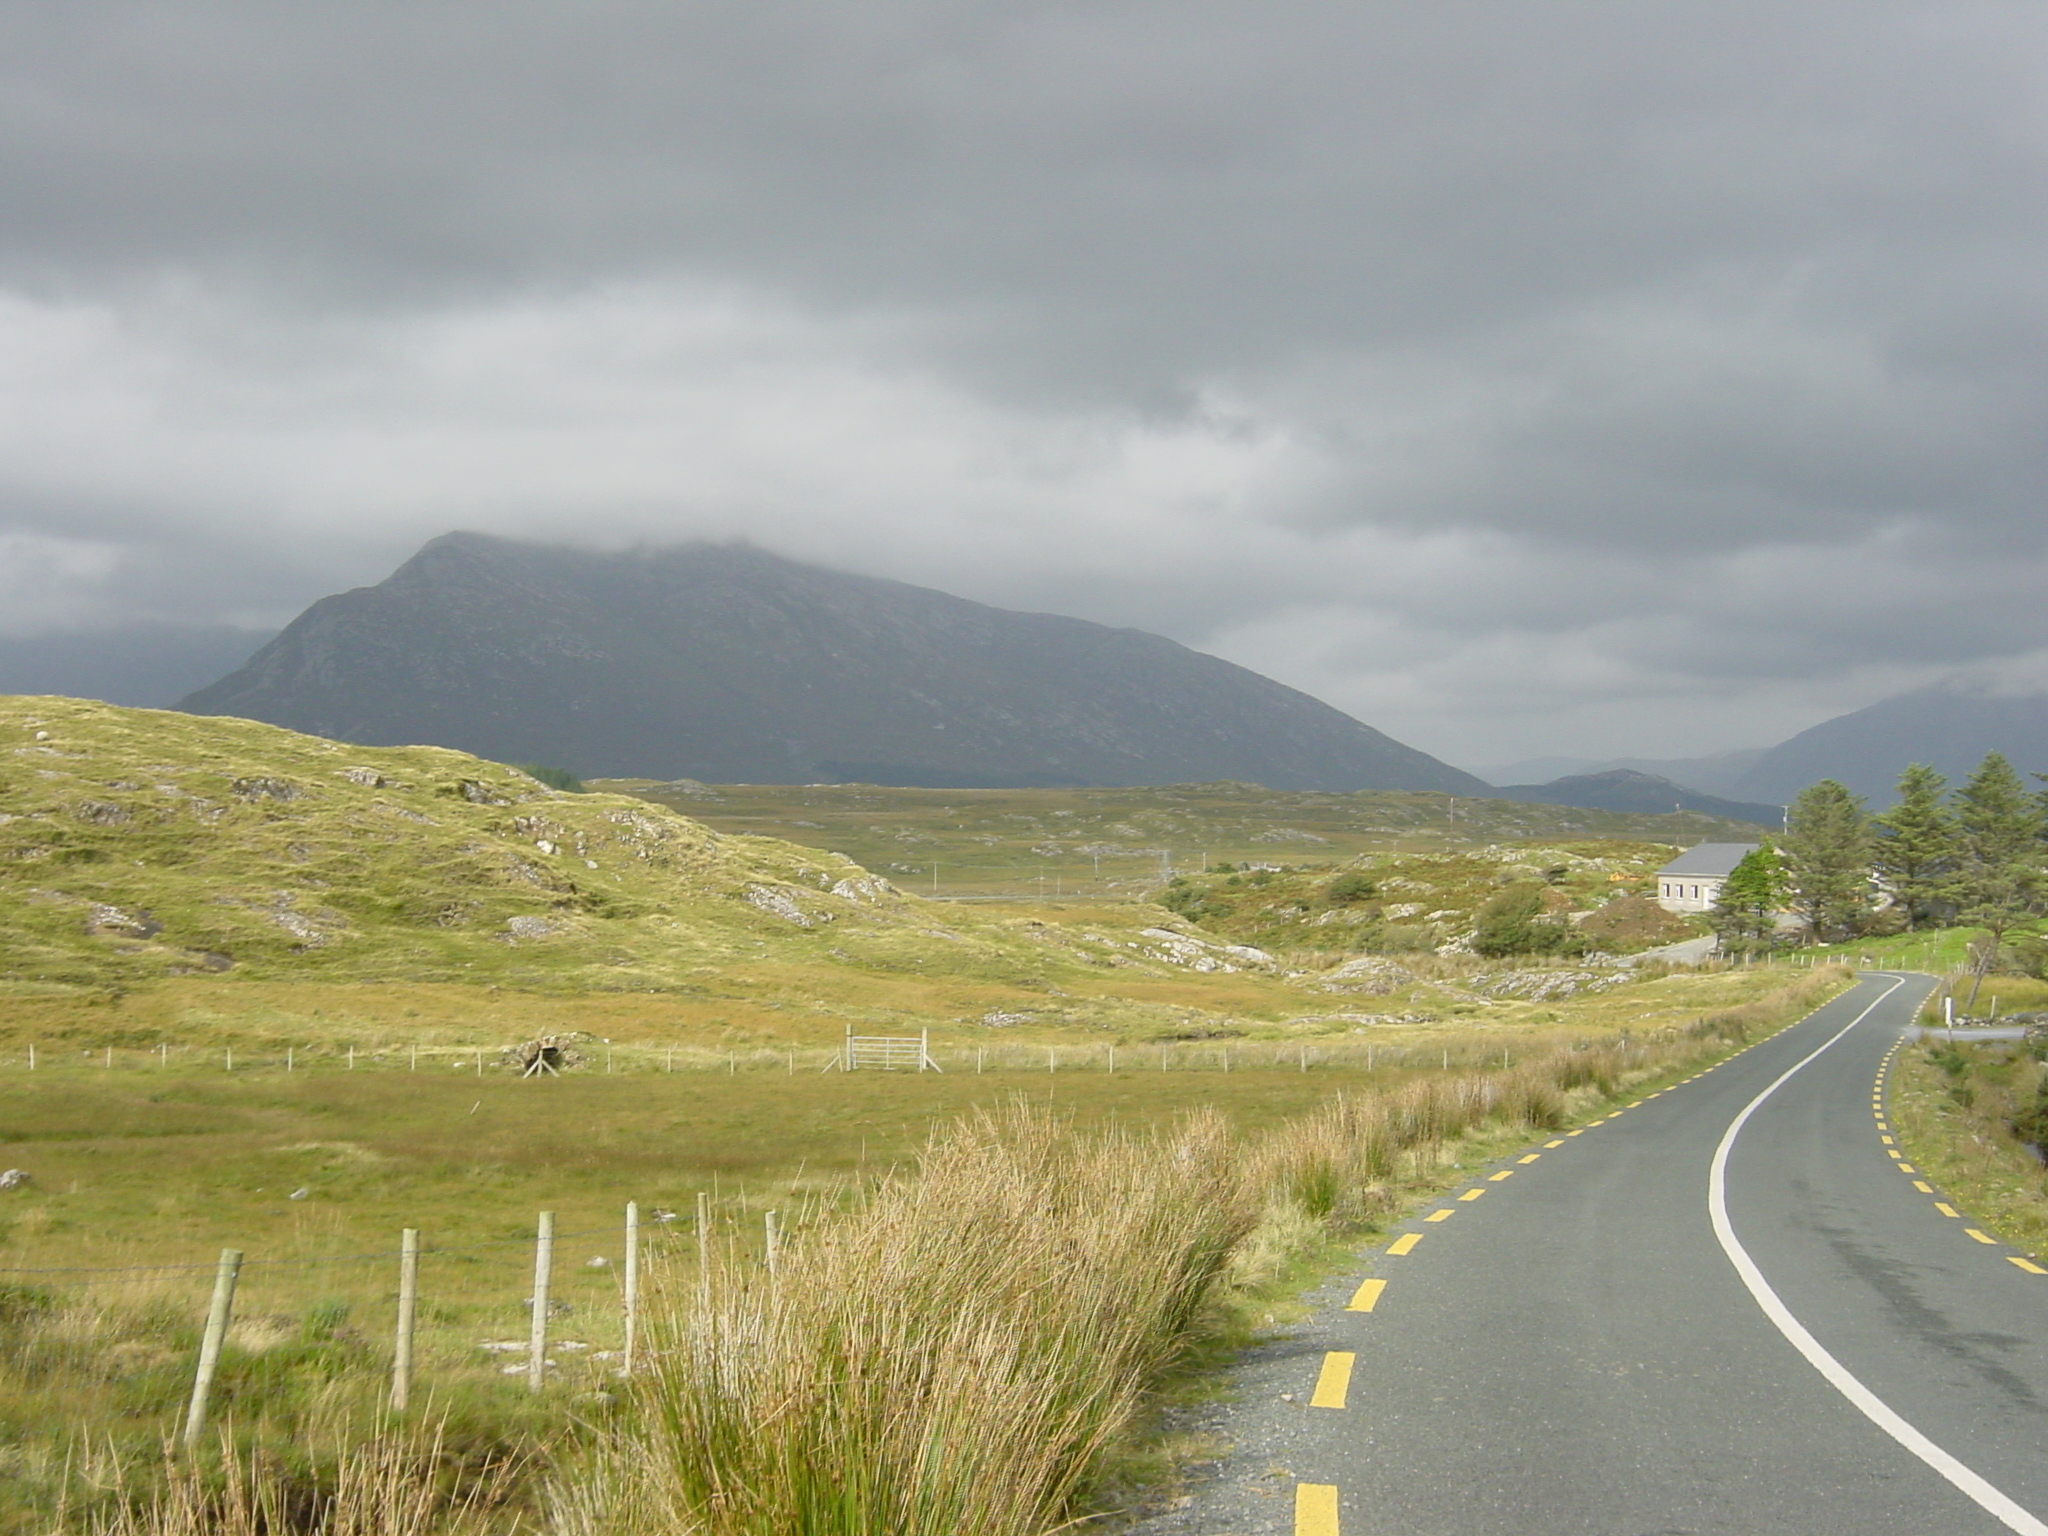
[(1732, 1308)]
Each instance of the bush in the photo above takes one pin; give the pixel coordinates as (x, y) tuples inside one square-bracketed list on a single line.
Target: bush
[(1353, 885), (1513, 923)]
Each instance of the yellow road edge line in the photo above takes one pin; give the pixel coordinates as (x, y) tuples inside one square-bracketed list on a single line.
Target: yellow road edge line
[(1443, 1215), (1530, 1158), (1948, 1210), (1333, 1381), (1472, 1194), (1315, 1509), (1907, 1168), (1505, 1173), (1982, 1237), (1579, 1132), (1404, 1244), (1886, 1140), (2027, 1264), (1557, 1143), (1367, 1296), (1923, 1186)]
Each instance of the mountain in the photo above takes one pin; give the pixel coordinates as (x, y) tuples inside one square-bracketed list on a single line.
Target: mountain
[(1717, 773), (1624, 789), (728, 664), (1950, 725), (146, 665)]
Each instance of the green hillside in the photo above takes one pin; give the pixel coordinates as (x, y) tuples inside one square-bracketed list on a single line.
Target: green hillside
[(139, 844)]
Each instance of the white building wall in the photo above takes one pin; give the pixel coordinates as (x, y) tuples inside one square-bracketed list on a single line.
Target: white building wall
[(1689, 893)]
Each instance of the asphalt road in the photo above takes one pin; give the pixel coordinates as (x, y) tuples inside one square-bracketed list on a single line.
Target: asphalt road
[(1733, 1307)]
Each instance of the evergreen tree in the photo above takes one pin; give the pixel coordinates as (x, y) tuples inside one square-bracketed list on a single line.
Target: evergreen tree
[(1916, 846), (1827, 855), (1999, 875), (1751, 898)]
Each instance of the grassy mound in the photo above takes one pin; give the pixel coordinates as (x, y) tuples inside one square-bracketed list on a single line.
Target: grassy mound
[(142, 843)]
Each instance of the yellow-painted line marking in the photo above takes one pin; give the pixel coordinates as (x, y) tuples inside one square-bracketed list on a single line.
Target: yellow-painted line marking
[(1333, 1381), (1367, 1296), (1530, 1158), (1315, 1509), (2027, 1264), (1505, 1173), (1947, 1210), (1907, 1168), (1982, 1237), (1636, 1104), (1404, 1244), (1557, 1143), (1443, 1215), (1893, 1152), (1886, 1140), (1472, 1194), (1579, 1132), (1923, 1186)]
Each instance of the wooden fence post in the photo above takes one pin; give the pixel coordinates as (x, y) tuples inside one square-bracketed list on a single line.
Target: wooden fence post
[(408, 1305), (537, 1337), (704, 1250), (772, 1232), (632, 1283), (209, 1346)]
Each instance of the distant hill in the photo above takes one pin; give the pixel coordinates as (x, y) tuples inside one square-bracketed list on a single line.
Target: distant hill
[(1624, 789), (1950, 725), (731, 665), (1715, 774)]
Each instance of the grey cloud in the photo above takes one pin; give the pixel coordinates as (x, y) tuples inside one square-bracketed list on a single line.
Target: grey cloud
[(1686, 352)]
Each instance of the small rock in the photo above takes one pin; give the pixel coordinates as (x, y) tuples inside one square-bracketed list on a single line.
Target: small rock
[(14, 1178)]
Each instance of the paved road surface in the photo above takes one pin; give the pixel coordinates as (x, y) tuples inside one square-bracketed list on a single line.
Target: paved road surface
[(1575, 1348)]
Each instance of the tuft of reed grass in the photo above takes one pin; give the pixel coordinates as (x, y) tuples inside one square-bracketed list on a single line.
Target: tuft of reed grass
[(952, 1360), (397, 1482)]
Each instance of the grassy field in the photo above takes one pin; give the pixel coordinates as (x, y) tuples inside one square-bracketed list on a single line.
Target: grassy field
[(1120, 843)]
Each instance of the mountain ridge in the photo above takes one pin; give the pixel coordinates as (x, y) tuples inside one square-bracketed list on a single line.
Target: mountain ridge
[(728, 664)]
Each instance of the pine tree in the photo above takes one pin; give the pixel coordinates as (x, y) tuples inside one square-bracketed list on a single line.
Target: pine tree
[(1827, 854), (1751, 897), (1999, 875), (1916, 846)]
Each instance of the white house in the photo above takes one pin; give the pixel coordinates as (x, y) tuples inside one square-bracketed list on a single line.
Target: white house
[(1692, 881)]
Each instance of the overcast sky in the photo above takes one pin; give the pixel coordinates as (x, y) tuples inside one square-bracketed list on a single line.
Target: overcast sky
[(1522, 378)]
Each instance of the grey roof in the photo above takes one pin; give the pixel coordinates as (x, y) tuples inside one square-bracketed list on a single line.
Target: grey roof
[(1708, 861)]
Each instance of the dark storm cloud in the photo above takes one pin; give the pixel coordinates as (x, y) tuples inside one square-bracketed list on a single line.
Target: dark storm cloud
[(1470, 363)]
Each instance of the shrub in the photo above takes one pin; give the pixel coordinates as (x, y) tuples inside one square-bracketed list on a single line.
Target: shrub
[(1512, 923), (1352, 885)]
